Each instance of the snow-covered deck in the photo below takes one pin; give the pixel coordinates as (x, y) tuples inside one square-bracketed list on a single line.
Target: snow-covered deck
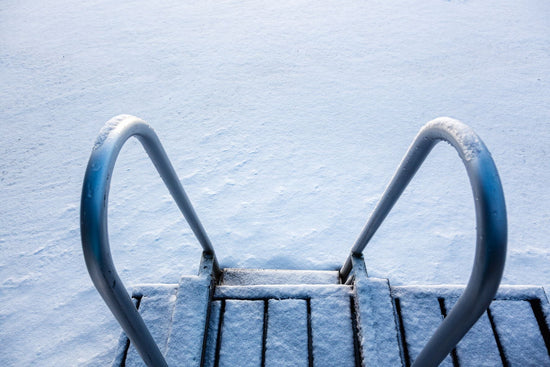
[(306, 318)]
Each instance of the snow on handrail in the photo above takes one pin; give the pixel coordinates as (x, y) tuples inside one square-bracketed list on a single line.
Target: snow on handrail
[(93, 223), (490, 254)]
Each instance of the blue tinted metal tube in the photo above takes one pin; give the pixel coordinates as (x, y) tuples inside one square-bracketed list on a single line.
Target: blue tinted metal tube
[(490, 253), (93, 223)]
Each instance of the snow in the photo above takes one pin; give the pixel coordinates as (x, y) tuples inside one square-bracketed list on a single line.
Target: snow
[(514, 308), (467, 140), (478, 347), (422, 316), (376, 319), (188, 322), (287, 340), (242, 331), (515, 321), (269, 277), (156, 308), (282, 291), (210, 352), (284, 120), (107, 128), (332, 332)]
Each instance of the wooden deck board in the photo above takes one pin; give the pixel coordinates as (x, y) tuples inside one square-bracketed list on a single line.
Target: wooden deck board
[(242, 334), (287, 333), (275, 276), (421, 316), (332, 331), (519, 333), (156, 304), (210, 352), (185, 345), (315, 323), (378, 331), (478, 347)]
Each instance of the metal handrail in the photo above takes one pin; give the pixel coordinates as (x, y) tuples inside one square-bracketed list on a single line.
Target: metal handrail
[(93, 223), (491, 226)]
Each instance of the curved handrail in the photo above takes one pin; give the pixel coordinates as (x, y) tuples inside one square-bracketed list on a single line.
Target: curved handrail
[(93, 223), (491, 225)]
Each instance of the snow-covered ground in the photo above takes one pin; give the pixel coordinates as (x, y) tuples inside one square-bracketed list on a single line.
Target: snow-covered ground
[(284, 119)]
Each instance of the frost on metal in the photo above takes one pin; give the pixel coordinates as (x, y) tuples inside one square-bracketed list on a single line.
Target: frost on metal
[(108, 128), (466, 138)]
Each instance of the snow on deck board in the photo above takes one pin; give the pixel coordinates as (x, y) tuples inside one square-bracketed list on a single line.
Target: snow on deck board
[(519, 333), (287, 333), (512, 314), (156, 306), (210, 353), (185, 344), (421, 316), (273, 276), (282, 291), (332, 330), (242, 334), (377, 328), (300, 324), (479, 346), (303, 322)]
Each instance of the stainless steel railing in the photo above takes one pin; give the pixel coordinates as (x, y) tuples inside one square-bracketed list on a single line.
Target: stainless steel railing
[(93, 223), (490, 217), (491, 226)]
